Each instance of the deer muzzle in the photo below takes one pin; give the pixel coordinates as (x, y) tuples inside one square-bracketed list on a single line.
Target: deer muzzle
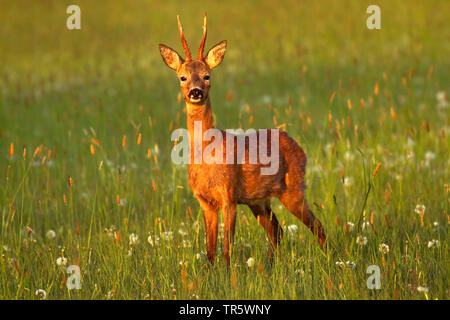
[(196, 95)]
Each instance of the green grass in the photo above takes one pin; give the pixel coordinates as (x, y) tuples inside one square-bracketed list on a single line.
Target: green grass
[(61, 89)]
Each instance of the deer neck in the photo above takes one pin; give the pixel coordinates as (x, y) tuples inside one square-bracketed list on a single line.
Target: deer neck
[(201, 113), (198, 116)]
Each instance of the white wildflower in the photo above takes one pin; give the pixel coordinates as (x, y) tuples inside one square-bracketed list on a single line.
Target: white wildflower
[(292, 231), (134, 239), (122, 202), (420, 209), (154, 241), (167, 235), (429, 155), (266, 99), (186, 244), (384, 248), (422, 289), (441, 100), (350, 226), (350, 264), (41, 294), (435, 226), (348, 181), (61, 261), (111, 231), (250, 262), (433, 244), (110, 295), (410, 142), (365, 226), (300, 272), (51, 234), (362, 241), (349, 156)]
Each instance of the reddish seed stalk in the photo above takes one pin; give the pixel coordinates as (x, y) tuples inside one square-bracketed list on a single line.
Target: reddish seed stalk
[(377, 169)]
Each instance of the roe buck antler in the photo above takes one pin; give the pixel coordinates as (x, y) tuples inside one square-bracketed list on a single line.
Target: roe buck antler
[(221, 185)]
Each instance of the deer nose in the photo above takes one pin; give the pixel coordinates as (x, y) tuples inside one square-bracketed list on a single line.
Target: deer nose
[(196, 94)]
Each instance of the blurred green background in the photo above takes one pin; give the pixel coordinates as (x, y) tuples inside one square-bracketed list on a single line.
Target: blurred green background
[(299, 64), (294, 50)]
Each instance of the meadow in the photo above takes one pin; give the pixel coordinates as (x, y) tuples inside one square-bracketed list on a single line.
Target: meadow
[(87, 178)]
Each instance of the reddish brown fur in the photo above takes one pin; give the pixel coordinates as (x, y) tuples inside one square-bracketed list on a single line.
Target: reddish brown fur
[(220, 187)]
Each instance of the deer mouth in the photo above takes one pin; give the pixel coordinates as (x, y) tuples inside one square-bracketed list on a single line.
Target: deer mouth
[(196, 95), (195, 100)]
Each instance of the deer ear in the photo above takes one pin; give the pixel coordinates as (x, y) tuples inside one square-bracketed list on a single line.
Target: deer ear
[(170, 57), (215, 55)]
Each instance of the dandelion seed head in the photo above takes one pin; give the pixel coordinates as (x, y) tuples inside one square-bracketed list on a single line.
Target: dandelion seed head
[(429, 155), (186, 244), (51, 234), (362, 241), (61, 261), (420, 209), (384, 248), (167, 235), (134, 239), (153, 240), (433, 244), (348, 181), (182, 232), (422, 289), (365, 226), (110, 295), (122, 202), (441, 98), (349, 156), (42, 294), (292, 231)]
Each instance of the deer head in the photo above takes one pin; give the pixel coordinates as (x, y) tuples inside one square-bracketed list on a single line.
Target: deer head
[(194, 75)]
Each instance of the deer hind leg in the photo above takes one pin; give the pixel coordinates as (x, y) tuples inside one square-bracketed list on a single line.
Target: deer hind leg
[(293, 199), (229, 216), (268, 220)]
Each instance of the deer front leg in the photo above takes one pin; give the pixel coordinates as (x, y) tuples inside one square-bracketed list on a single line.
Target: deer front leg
[(211, 218), (229, 215)]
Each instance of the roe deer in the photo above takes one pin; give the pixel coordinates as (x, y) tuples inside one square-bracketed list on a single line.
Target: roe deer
[(223, 186)]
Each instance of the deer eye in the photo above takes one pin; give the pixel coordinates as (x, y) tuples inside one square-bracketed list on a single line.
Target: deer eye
[(183, 78), (206, 77)]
